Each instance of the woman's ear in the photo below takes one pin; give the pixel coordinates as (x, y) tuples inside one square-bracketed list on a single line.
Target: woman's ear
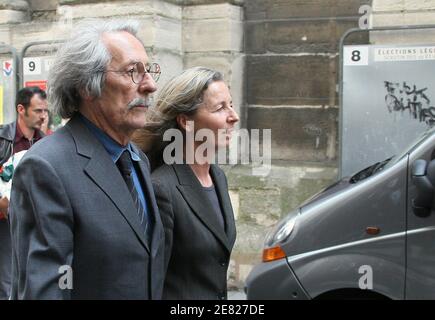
[(184, 123)]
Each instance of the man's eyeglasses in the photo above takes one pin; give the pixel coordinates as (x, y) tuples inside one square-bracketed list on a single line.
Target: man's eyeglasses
[(139, 70)]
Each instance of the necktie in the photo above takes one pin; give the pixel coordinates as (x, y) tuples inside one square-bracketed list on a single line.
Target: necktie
[(125, 164)]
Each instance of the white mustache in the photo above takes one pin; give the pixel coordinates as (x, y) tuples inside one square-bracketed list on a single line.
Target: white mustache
[(139, 102)]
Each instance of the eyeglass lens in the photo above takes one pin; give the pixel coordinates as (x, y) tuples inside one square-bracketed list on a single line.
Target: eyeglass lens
[(139, 72)]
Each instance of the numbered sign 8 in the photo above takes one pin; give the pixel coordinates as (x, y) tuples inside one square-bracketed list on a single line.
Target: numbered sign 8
[(356, 55)]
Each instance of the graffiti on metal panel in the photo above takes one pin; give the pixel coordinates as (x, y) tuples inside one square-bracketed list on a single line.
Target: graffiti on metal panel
[(403, 96)]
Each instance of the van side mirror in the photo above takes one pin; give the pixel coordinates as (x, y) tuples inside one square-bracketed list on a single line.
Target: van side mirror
[(423, 177)]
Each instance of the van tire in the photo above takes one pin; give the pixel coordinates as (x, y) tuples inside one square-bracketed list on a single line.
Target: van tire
[(351, 294)]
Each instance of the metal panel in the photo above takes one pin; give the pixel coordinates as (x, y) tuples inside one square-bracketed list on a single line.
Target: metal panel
[(8, 83), (35, 62), (387, 99)]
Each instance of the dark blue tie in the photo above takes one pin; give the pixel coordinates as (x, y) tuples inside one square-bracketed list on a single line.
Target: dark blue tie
[(125, 164)]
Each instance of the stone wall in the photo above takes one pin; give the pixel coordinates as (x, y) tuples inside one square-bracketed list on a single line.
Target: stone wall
[(389, 13), (292, 73)]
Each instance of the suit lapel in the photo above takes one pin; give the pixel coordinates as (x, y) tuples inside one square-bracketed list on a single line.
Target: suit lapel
[(196, 198), (151, 201), (222, 192), (105, 174)]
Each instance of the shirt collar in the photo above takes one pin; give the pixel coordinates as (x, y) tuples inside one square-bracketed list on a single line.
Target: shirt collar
[(112, 147), (19, 134)]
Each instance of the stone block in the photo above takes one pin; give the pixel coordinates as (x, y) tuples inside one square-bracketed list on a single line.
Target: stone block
[(244, 270), (204, 24), (234, 196), (208, 35), (411, 5), (302, 134), (296, 36), (416, 36), (402, 6), (126, 9), (15, 5), (13, 16), (403, 18), (209, 2), (210, 11), (161, 32), (260, 206), (388, 5), (285, 9), (25, 33), (249, 243), (5, 34), (291, 80), (255, 37), (43, 5)]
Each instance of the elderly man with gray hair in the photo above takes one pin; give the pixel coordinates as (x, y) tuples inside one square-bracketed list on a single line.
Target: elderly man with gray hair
[(83, 214)]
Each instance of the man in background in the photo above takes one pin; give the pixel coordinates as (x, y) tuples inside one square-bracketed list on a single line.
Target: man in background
[(15, 138)]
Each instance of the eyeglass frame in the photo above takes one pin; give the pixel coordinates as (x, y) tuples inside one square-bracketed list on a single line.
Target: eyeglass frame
[(154, 75)]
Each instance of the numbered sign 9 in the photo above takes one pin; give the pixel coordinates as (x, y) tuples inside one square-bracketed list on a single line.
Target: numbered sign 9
[(32, 66), (355, 55)]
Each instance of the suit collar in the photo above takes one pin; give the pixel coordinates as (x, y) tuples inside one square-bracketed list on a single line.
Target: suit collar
[(103, 171), (193, 193)]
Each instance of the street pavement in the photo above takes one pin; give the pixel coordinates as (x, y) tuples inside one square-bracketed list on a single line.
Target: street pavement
[(236, 295)]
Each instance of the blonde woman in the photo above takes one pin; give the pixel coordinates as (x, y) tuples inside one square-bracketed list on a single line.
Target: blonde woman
[(192, 196)]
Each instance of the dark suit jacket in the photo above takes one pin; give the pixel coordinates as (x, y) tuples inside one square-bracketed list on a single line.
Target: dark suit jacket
[(70, 206), (197, 248)]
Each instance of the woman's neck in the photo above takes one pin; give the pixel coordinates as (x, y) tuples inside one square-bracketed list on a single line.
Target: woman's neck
[(202, 172)]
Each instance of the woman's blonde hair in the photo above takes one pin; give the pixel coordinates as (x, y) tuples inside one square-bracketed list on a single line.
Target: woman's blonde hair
[(183, 94)]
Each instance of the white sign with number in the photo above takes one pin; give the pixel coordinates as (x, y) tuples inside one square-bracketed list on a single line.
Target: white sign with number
[(32, 66), (47, 63), (356, 55)]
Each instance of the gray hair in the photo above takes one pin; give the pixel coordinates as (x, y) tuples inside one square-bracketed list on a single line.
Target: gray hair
[(79, 65), (183, 94)]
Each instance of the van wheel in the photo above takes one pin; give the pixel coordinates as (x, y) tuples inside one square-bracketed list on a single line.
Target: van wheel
[(351, 294)]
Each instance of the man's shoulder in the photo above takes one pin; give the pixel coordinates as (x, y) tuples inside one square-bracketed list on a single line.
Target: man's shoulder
[(163, 170), (55, 145), (165, 173), (7, 131)]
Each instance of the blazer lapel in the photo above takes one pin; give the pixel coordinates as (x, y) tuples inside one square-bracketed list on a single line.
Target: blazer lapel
[(105, 174), (222, 191), (196, 198)]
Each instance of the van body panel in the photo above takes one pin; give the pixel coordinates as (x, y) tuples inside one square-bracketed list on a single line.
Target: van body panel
[(420, 278), (362, 233), (343, 217), (285, 284), (376, 264)]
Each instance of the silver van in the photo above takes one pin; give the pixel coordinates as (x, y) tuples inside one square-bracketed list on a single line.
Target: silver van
[(371, 235)]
